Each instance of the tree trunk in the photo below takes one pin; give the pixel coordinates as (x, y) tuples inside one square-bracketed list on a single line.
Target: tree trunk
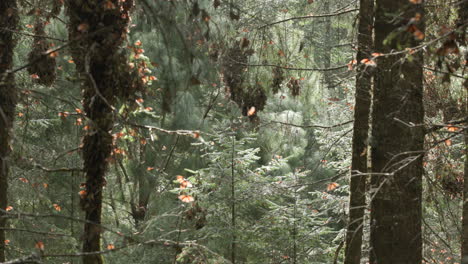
[(464, 245), (357, 198), (97, 29), (8, 99), (464, 249), (462, 23), (397, 136)]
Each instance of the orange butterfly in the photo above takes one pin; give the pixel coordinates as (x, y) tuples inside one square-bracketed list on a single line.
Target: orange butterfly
[(186, 198)]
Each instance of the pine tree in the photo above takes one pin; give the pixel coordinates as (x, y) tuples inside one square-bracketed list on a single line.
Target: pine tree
[(97, 29), (8, 100), (397, 135), (357, 199)]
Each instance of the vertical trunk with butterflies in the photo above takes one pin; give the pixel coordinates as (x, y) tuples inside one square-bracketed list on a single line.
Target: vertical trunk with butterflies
[(8, 99), (97, 30), (397, 134)]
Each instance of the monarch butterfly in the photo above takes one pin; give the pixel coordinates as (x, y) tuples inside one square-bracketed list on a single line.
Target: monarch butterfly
[(185, 184), (251, 111), (186, 198), (180, 178)]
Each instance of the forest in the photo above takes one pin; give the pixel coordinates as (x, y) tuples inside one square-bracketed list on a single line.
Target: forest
[(234, 131)]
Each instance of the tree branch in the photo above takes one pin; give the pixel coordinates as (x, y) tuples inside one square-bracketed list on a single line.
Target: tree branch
[(309, 16)]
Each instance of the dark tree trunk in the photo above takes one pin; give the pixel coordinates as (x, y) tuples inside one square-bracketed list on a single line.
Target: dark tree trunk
[(97, 29), (397, 136), (462, 23), (8, 100), (357, 198), (464, 245)]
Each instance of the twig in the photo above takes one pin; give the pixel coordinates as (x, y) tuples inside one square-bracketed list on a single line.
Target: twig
[(57, 169), (99, 31), (440, 71), (33, 231), (32, 259), (337, 252), (192, 133), (311, 126), (309, 16), (294, 68), (31, 35), (170, 154)]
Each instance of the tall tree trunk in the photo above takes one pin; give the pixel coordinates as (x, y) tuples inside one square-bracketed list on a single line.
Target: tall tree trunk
[(8, 99), (357, 198), (97, 29), (397, 136), (464, 245), (462, 23)]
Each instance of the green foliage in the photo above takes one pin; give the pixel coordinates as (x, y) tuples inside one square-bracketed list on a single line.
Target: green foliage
[(282, 170)]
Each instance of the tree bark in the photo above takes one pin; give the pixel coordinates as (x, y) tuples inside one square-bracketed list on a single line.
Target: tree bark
[(464, 245), (97, 29), (8, 99), (397, 136), (462, 23), (357, 198)]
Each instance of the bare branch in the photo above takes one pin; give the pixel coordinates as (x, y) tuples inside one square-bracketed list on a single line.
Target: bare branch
[(311, 126), (309, 16), (31, 35)]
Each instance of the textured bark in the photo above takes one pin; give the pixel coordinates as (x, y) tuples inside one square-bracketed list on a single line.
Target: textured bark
[(462, 23), (97, 29), (8, 100), (397, 145), (464, 245), (357, 198)]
